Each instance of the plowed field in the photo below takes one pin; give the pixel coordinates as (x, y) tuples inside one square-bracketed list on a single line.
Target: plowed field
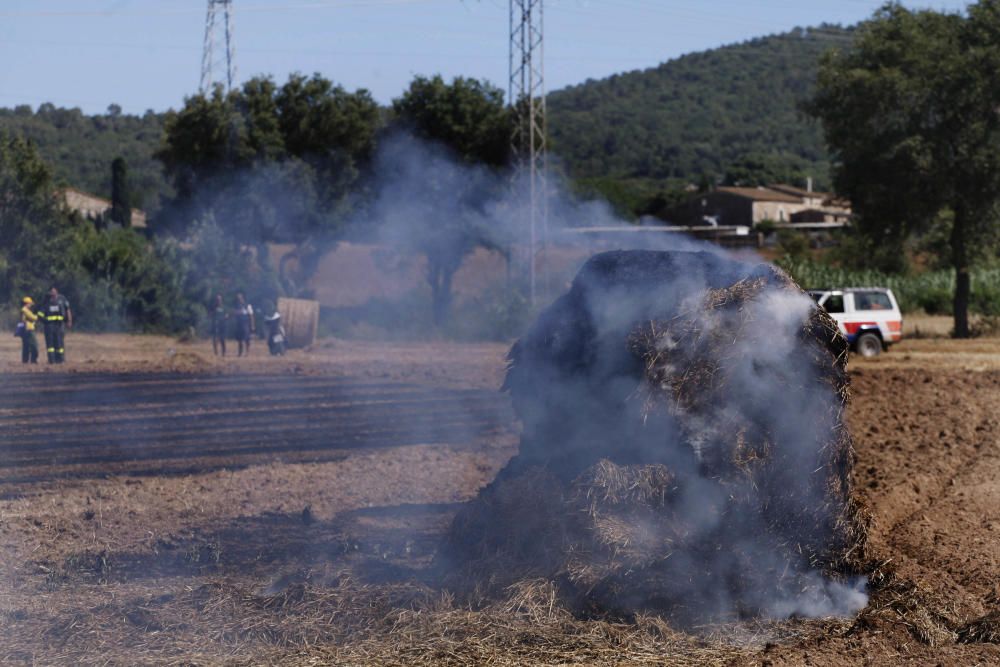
[(158, 506), (141, 424)]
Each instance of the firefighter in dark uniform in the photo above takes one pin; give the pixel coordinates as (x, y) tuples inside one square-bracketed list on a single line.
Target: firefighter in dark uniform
[(58, 317)]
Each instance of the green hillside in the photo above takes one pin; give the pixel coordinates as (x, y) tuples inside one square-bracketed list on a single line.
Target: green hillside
[(79, 148), (727, 114), (732, 110)]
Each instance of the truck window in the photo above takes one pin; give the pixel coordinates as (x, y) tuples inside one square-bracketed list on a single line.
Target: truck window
[(834, 303), (872, 301)]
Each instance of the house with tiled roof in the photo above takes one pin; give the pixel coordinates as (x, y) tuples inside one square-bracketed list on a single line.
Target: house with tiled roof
[(784, 205)]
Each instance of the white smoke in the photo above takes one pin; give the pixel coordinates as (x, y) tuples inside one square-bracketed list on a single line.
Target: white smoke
[(426, 201)]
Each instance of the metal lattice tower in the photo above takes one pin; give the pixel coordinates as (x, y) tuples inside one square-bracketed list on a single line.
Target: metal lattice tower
[(528, 143), (211, 66)]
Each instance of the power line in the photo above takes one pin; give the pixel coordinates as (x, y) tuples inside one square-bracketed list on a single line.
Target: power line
[(328, 4)]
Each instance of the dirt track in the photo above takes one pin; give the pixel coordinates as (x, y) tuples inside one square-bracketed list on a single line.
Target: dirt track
[(256, 510)]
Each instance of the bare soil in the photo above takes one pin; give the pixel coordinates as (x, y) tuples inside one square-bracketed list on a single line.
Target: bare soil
[(159, 505)]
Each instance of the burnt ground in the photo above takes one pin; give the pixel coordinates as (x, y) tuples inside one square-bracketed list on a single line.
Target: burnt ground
[(158, 506)]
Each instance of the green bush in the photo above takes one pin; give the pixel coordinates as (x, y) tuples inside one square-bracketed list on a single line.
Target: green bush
[(766, 226), (214, 263), (793, 243), (124, 282), (986, 301), (935, 300), (499, 314)]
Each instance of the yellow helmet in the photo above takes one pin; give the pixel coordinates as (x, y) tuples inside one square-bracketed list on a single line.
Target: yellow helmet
[(27, 299)]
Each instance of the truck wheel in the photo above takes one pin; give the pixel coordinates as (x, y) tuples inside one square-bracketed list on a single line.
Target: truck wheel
[(868, 345)]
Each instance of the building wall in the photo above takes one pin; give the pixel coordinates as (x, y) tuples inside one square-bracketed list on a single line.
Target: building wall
[(87, 205), (730, 208), (778, 211), (91, 206)]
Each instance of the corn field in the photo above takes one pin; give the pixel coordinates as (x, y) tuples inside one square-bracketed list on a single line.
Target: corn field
[(930, 291)]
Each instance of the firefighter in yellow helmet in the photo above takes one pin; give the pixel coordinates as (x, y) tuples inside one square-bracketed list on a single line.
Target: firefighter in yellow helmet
[(29, 346)]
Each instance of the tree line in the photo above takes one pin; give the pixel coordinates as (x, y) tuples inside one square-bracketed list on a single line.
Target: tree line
[(261, 164), (79, 147), (728, 115)]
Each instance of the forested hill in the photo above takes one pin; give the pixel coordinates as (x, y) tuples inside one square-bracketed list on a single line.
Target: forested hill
[(733, 108), (726, 114), (80, 148)]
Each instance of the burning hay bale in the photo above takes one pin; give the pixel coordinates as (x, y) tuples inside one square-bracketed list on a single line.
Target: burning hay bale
[(684, 448)]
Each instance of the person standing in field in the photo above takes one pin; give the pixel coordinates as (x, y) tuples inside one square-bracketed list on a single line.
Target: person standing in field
[(244, 323), (220, 316), (29, 346), (58, 317), (275, 333)]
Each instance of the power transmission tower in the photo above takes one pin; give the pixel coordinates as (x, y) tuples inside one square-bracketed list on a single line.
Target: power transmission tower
[(211, 66), (528, 143)]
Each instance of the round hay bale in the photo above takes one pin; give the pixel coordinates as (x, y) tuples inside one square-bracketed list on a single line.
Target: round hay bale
[(300, 318), (683, 447)]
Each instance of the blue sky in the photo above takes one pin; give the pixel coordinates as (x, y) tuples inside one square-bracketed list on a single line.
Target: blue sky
[(146, 54)]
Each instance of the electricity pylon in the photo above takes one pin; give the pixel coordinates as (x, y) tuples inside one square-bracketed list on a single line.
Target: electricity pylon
[(211, 66), (528, 143)]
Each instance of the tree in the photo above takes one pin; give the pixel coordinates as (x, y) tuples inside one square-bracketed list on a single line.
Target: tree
[(429, 204), (756, 169), (269, 163), (257, 112), (319, 120), (121, 196), (126, 282), (35, 236), (202, 140), (910, 113), (444, 201), (333, 132), (467, 116)]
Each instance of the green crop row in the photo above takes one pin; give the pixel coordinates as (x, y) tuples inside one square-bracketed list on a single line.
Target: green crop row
[(930, 291)]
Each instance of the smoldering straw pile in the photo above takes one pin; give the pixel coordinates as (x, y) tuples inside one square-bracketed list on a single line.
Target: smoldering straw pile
[(684, 450)]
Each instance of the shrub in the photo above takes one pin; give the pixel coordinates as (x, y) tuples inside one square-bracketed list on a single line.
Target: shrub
[(986, 301), (935, 300), (793, 243), (499, 314)]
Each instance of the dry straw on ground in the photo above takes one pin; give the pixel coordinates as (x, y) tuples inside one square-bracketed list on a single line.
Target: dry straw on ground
[(346, 622)]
